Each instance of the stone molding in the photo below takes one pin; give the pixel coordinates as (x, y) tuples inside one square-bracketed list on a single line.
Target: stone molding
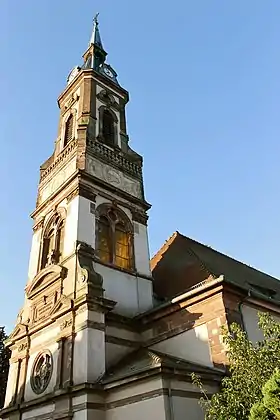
[(108, 99), (85, 191), (61, 158), (122, 341), (38, 225), (115, 158), (51, 274), (139, 216)]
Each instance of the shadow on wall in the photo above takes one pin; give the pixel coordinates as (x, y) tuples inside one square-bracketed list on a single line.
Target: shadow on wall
[(183, 333), (178, 333)]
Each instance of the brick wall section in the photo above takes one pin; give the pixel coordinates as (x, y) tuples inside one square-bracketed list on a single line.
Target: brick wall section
[(232, 300), (215, 340), (206, 308)]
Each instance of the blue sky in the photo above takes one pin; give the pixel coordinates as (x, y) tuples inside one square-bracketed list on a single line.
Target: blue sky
[(204, 83)]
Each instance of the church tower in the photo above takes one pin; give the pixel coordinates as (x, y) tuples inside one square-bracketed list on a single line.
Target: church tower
[(89, 256)]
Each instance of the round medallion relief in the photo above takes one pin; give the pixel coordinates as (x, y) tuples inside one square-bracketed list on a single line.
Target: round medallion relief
[(41, 372)]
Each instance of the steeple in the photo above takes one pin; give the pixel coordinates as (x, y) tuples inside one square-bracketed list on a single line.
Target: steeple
[(95, 55), (95, 38), (89, 252)]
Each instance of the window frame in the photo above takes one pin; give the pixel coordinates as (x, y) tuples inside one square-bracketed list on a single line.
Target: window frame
[(53, 256), (115, 121), (109, 212), (70, 116)]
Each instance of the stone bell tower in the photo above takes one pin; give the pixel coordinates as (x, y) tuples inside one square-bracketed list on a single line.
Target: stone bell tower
[(89, 253)]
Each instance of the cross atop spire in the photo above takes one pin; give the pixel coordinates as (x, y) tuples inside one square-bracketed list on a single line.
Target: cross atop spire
[(95, 36), (95, 19)]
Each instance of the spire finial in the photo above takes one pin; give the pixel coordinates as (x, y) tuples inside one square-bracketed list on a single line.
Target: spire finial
[(95, 19), (95, 36)]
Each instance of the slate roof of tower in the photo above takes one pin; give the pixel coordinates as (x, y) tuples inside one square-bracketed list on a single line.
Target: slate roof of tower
[(216, 264)]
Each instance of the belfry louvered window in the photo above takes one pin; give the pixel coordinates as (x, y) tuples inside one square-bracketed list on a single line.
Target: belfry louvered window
[(69, 130), (108, 128)]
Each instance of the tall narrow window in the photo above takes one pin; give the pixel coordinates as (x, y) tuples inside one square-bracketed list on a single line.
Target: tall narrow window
[(121, 246), (60, 240), (108, 128), (48, 245), (114, 238), (52, 251), (69, 126), (104, 240)]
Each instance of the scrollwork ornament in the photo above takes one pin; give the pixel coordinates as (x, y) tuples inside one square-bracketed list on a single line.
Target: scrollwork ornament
[(41, 372)]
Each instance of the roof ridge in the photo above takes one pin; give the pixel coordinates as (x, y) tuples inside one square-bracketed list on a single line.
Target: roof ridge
[(158, 255), (227, 256)]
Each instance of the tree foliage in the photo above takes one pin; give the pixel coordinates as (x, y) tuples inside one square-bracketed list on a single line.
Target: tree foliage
[(250, 367), (270, 404), (4, 365)]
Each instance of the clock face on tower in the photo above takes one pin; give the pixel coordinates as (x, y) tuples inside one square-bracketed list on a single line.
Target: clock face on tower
[(73, 74), (108, 72)]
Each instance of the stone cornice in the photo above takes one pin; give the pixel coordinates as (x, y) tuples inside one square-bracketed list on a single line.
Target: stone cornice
[(51, 273), (102, 390), (61, 158), (130, 201), (83, 191), (90, 73), (193, 296), (55, 194), (130, 198), (115, 158), (123, 270)]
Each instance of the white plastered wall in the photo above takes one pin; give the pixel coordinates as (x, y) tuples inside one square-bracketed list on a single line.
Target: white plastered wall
[(115, 352), (34, 254), (191, 345), (150, 408), (141, 246), (89, 350), (53, 348), (11, 385), (187, 409), (71, 226), (250, 319), (145, 409), (183, 405), (43, 410), (86, 222), (133, 294)]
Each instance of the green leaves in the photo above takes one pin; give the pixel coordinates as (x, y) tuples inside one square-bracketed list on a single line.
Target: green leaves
[(260, 412), (250, 367), (271, 393)]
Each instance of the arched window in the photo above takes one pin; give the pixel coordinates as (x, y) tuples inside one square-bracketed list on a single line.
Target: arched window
[(48, 245), (114, 238), (108, 127), (53, 238), (60, 239), (104, 239), (69, 128), (122, 239)]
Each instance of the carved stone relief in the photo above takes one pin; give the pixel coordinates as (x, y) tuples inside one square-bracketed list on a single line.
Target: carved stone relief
[(113, 177), (44, 305), (57, 181), (65, 324)]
